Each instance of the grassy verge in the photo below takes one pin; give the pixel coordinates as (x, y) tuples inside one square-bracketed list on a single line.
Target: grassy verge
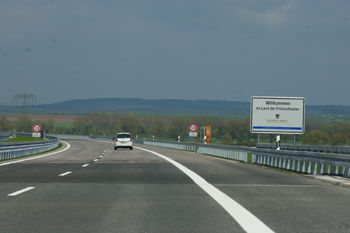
[(24, 139)]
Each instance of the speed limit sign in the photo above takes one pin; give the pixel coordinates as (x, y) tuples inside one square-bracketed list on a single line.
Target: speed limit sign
[(36, 128), (193, 127)]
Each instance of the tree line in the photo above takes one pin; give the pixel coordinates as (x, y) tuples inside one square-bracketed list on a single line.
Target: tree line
[(227, 131)]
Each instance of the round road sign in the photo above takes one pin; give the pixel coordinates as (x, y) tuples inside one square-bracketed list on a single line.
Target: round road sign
[(36, 128), (193, 127)]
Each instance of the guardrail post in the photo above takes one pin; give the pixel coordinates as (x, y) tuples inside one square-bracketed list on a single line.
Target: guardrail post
[(282, 163), (314, 168), (308, 165), (298, 165), (320, 168), (303, 167), (288, 164), (279, 162), (346, 172), (336, 170)]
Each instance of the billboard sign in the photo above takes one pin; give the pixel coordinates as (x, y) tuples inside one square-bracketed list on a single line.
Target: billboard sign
[(277, 115)]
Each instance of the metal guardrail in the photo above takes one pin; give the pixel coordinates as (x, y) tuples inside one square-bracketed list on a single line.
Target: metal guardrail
[(19, 149), (298, 161), (308, 162), (69, 136), (4, 136), (326, 149)]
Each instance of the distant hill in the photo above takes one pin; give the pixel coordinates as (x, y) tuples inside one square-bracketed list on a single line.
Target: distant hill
[(162, 106)]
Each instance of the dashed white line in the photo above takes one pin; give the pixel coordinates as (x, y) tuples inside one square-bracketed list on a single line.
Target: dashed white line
[(247, 220), (85, 165), (66, 173), (20, 191), (95, 160)]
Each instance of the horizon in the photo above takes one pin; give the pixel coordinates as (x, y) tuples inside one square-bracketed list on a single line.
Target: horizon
[(165, 99), (207, 50)]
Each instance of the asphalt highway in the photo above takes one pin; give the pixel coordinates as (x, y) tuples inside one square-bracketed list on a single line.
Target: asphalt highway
[(89, 187)]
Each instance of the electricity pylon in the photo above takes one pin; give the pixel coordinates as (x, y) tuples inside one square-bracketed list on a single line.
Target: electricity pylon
[(24, 99)]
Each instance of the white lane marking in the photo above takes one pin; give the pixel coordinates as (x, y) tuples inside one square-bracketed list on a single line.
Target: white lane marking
[(20, 191), (36, 157), (101, 156), (95, 160), (66, 173), (85, 165), (247, 220)]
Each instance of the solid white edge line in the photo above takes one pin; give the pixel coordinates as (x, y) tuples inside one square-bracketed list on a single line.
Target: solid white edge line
[(66, 173), (36, 157), (244, 218), (20, 191)]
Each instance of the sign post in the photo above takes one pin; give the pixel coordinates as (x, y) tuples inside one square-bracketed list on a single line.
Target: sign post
[(36, 134), (193, 128), (277, 115)]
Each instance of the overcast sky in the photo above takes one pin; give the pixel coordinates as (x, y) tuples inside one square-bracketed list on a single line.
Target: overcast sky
[(163, 49)]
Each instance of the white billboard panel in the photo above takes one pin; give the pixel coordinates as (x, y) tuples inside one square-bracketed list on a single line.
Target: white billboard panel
[(280, 115)]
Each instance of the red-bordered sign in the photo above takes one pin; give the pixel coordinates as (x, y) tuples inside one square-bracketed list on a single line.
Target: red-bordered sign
[(36, 128), (193, 127)]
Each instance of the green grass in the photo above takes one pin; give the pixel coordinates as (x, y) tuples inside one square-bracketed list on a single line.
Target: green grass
[(23, 139)]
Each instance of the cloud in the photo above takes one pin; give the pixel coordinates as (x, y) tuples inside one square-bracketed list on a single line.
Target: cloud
[(272, 17)]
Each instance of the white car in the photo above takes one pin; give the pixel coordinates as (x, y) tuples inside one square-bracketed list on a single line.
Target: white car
[(123, 140)]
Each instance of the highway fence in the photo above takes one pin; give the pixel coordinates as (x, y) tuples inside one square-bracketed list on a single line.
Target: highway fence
[(12, 150), (314, 148), (308, 162), (69, 136), (331, 160)]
